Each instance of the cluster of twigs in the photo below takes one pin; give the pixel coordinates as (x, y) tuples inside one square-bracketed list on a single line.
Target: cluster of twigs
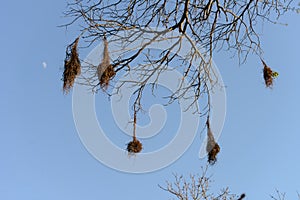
[(197, 187)]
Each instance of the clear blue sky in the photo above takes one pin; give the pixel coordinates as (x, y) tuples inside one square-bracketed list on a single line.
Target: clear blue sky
[(41, 156)]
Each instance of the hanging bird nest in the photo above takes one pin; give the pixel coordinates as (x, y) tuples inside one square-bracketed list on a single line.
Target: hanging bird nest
[(105, 75), (135, 146), (212, 154), (71, 66), (105, 70), (212, 148), (269, 75)]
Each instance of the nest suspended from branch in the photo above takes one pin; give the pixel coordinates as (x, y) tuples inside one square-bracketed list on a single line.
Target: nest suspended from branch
[(212, 148), (105, 70), (269, 75), (72, 67), (135, 146)]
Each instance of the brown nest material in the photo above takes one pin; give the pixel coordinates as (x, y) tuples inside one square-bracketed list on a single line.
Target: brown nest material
[(72, 66), (212, 155), (105, 70), (105, 76), (268, 75), (212, 148), (135, 146)]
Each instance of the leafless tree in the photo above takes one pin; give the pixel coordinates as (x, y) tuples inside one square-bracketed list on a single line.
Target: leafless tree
[(197, 188), (280, 196), (138, 25)]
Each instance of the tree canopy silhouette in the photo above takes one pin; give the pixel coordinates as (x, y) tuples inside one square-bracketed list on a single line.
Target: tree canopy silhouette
[(206, 25)]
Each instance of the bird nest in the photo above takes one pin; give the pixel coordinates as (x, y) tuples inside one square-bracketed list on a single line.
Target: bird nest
[(72, 67), (105, 70), (106, 75), (268, 76), (212, 148), (135, 146), (212, 154)]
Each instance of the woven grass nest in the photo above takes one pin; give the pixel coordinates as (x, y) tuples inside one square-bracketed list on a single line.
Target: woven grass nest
[(135, 146), (105, 76), (268, 75), (212, 154), (72, 67), (105, 70), (212, 147)]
